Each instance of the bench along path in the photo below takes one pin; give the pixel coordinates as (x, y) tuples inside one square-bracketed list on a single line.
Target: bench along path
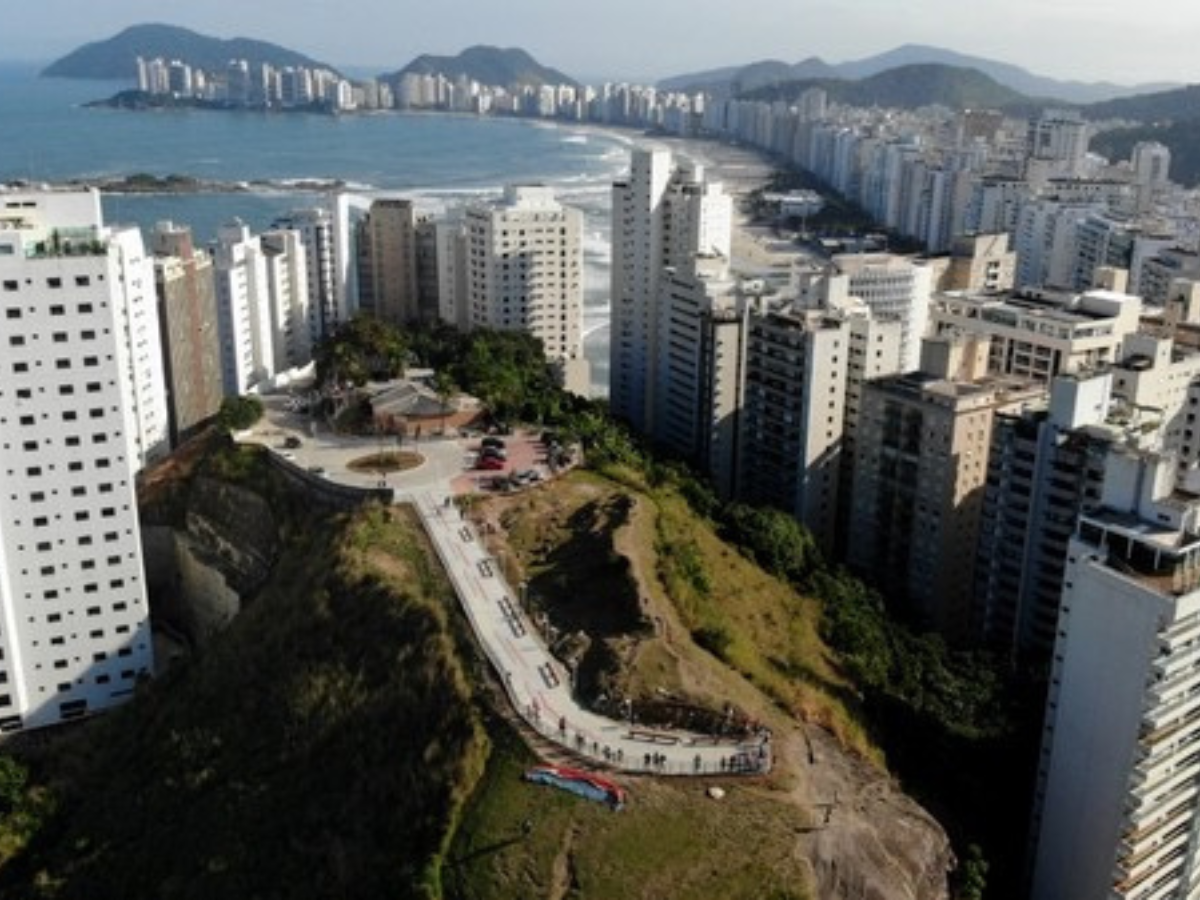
[(538, 686)]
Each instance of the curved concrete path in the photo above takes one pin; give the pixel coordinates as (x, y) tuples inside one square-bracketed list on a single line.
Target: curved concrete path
[(537, 684)]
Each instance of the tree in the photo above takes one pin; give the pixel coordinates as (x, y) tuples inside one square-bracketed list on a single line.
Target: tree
[(363, 348), (239, 413), (971, 876)]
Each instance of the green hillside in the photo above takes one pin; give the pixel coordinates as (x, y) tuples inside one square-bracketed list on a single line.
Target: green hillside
[(321, 747), (1179, 104)]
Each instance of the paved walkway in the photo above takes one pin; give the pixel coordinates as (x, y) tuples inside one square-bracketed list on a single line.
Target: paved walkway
[(539, 686)]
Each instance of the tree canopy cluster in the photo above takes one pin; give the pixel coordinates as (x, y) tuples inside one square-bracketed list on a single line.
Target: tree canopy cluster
[(239, 413)]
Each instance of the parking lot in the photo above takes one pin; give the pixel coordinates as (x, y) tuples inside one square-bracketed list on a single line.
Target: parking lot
[(451, 462)]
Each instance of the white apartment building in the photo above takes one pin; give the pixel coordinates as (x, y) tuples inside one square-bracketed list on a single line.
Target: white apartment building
[(1047, 241), (1117, 803), (524, 272), (286, 266), (792, 415), (1057, 146), (702, 368), (243, 309), (327, 241), (139, 348), (894, 287), (74, 618), (663, 214)]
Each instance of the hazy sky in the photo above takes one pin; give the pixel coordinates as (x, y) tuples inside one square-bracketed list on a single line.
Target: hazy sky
[(1086, 39)]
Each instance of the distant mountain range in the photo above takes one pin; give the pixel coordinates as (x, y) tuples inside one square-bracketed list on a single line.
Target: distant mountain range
[(909, 76), (907, 87), (738, 79), (487, 65), (116, 58)]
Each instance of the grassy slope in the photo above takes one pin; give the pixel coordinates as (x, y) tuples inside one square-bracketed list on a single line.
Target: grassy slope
[(671, 840), (321, 747), (325, 744)]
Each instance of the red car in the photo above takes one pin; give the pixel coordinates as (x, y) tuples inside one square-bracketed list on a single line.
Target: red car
[(489, 463)]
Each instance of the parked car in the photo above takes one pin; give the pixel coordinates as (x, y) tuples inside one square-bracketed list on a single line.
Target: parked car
[(494, 452), (292, 442), (492, 441), (489, 463)]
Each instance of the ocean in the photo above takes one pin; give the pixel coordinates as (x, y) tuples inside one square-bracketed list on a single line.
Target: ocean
[(439, 160)]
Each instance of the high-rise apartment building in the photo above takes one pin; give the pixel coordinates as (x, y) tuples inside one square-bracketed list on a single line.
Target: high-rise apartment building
[(263, 304), (450, 257), (1046, 465), (1116, 803), (793, 414), (894, 287), (187, 315), (286, 266), (326, 251), (243, 309), (1151, 171), (701, 372), (1057, 146), (920, 466), (387, 247), (78, 316), (524, 272), (663, 214)]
